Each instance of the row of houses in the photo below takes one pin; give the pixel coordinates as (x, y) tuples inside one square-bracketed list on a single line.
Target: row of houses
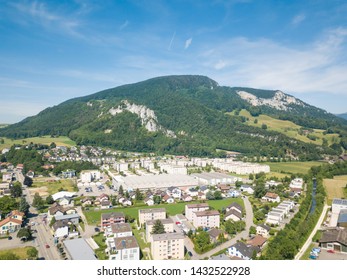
[(277, 214)]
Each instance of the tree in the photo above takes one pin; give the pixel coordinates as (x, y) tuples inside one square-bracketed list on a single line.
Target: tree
[(52, 222), (217, 195), (24, 233), (121, 190), (157, 199), (264, 126), (7, 204), (38, 202), (202, 241), (252, 230), (28, 181), (16, 189), (259, 191), (49, 199), (158, 227), (230, 227), (23, 205), (138, 195), (210, 196), (32, 253)]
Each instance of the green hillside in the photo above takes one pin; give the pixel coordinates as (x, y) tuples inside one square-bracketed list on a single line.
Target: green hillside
[(192, 107)]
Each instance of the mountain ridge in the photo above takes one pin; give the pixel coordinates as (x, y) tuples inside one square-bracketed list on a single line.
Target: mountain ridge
[(192, 107)]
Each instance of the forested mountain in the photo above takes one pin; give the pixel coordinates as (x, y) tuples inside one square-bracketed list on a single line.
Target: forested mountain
[(182, 115)]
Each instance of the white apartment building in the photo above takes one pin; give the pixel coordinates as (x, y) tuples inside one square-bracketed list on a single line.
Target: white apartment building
[(123, 248), (88, 176), (118, 230), (151, 214), (174, 169), (167, 246), (191, 208), (167, 223), (206, 219), (121, 166)]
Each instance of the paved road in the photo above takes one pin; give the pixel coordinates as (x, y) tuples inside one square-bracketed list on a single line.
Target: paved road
[(309, 239), (244, 234)]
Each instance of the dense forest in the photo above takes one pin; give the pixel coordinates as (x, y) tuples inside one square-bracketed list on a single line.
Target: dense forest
[(193, 107)]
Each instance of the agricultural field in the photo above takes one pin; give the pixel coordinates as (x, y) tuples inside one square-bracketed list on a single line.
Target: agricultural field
[(293, 166), (93, 217), (289, 129), (46, 140), (49, 186), (335, 188)]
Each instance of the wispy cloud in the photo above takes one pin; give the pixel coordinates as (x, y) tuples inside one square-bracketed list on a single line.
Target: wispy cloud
[(124, 25), (40, 13), (188, 43), (320, 66), (171, 41), (298, 19)]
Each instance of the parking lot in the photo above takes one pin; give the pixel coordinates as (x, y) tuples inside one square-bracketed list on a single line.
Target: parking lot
[(324, 255)]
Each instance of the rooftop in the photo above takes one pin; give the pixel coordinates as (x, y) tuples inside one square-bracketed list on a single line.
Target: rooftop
[(79, 249), (167, 236), (163, 221), (152, 210), (207, 213), (127, 242), (340, 201), (199, 205)]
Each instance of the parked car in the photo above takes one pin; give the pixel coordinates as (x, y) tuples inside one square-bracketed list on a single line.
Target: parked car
[(9, 238), (313, 257), (316, 249), (331, 251), (47, 246), (314, 253), (178, 223)]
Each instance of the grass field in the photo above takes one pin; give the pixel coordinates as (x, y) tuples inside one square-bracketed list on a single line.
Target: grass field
[(21, 252), (335, 188), (44, 187), (93, 217), (293, 166), (46, 140), (289, 128)]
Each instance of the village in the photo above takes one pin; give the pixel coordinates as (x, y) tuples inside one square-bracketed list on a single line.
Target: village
[(136, 207)]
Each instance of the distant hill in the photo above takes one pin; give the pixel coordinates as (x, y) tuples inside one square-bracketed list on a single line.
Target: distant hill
[(344, 116), (187, 114)]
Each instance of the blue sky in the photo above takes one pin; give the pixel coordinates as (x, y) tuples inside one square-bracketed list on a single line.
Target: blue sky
[(52, 51)]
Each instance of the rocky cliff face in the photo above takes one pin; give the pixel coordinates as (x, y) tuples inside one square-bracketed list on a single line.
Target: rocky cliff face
[(279, 101), (148, 118)]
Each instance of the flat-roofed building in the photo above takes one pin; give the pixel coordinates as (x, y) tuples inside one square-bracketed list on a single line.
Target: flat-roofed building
[(167, 246), (153, 182), (78, 249), (151, 214), (206, 219), (191, 208), (338, 205), (123, 248), (167, 223)]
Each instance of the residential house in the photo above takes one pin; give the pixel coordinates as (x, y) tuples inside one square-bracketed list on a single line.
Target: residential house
[(187, 198), (257, 241), (167, 246), (118, 230), (167, 223), (263, 230), (224, 188), (107, 219), (234, 206), (214, 234), (66, 201), (334, 239), (9, 225), (233, 215), (191, 208), (174, 192), (243, 251), (271, 197), (123, 248), (233, 193), (105, 204), (206, 219), (247, 188), (73, 218), (151, 214), (64, 228), (168, 199), (87, 201), (149, 201)]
